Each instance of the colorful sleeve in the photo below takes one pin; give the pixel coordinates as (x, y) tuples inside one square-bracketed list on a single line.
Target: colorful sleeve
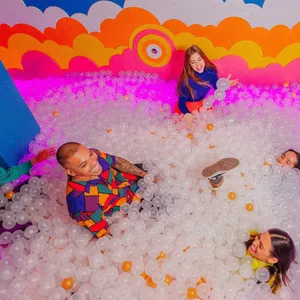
[(110, 159), (14, 172), (214, 78)]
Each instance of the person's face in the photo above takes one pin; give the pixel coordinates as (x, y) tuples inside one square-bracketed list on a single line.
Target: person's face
[(197, 63), (261, 248), (288, 158), (83, 163)]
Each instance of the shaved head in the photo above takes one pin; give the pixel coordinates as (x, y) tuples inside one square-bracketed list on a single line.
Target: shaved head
[(79, 161), (66, 151)]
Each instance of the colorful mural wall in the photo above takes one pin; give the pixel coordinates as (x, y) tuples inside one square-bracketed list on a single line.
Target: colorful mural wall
[(256, 41)]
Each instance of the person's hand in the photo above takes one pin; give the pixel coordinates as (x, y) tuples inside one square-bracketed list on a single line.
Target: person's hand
[(232, 82), (43, 155), (189, 119), (143, 174)]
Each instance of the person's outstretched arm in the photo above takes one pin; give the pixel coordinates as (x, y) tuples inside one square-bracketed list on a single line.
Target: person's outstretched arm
[(214, 78), (14, 172), (125, 166)]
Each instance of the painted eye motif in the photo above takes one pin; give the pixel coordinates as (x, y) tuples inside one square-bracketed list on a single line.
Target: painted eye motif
[(154, 51), (153, 47)]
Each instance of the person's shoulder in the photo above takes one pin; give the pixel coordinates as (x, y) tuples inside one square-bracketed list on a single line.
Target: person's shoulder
[(100, 154)]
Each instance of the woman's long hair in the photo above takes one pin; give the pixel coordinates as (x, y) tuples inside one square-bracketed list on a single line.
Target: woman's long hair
[(283, 248), (297, 165), (188, 72)]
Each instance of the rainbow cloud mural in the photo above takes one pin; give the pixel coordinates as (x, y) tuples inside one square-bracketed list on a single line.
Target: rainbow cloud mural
[(43, 40)]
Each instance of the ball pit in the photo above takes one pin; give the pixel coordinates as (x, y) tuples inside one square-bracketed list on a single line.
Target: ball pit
[(186, 242)]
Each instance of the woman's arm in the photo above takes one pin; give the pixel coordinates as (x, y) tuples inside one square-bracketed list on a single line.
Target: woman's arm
[(182, 105), (14, 172), (214, 78)]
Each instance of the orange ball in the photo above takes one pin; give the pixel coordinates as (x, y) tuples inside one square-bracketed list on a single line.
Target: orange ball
[(190, 136), (168, 279), (286, 84), (145, 275), (126, 97), (55, 113), (209, 126), (201, 280), (186, 249), (191, 293), (67, 283), (249, 207), (126, 267), (232, 195), (9, 195), (151, 283), (161, 255)]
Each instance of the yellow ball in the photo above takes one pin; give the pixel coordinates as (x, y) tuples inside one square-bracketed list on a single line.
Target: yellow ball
[(67, 283), (126, 267), (209, 126), (232, 195), (249, 207), (191, 293)]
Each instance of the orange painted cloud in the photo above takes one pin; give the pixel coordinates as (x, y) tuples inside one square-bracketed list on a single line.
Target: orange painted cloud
[(83, 45), (258, 47), (6, 32), (65, 32), (233, 30), (116, 32)]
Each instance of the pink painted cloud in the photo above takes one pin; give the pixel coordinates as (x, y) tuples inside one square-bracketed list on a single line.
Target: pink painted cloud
[(38, 65), (274, 73), (128, 60)]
